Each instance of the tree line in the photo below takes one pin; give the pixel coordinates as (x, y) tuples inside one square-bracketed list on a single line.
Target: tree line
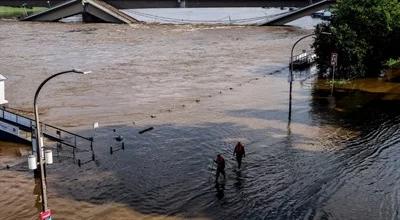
[(364, 33)]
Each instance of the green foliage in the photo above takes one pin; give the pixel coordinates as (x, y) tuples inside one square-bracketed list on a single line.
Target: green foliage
[(14, 12), (393, 63), (365, 34)]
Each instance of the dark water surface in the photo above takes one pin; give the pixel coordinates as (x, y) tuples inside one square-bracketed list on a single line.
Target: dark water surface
[(344, 172)]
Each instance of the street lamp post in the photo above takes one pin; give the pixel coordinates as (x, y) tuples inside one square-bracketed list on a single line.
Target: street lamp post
[(291, 71), (39, 144)]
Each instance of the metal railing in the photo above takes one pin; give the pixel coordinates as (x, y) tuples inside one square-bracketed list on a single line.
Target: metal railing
[(307, 57), (53, 133)]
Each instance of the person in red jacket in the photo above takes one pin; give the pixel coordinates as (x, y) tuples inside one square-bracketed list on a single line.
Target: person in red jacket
[(240, 153), (220, 161)]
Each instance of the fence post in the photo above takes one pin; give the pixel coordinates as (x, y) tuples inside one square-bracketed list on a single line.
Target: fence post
[(75, 141)]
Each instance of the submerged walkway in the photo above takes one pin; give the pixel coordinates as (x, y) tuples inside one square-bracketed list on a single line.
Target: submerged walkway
[(22, 128)]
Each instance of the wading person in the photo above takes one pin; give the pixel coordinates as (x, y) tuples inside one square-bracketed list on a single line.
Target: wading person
[(240, 153), (220, 161)]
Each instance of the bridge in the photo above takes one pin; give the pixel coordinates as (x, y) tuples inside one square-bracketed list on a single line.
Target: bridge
[(131, 4), (109, 10), (301, 12)]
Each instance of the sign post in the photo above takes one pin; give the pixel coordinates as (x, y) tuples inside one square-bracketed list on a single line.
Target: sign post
[(334, 57)]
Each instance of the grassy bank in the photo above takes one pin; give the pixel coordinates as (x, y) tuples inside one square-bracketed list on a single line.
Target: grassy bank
[(378, 86), (15, 12)]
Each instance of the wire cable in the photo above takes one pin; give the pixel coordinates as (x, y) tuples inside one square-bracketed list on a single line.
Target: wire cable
[(223, 20)]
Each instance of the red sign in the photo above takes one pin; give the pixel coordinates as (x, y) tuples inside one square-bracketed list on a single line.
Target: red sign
[(46, 215)]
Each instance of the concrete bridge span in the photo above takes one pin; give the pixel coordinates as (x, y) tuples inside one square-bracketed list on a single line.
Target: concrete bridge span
[(109, 10), (301, 12), (131, 4), (91, 10)]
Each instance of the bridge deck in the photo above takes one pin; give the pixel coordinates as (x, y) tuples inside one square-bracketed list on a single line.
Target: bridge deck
[(301, 12), (130, 4), (108, 10)]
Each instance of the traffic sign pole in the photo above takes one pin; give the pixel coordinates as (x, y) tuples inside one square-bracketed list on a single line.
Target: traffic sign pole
[(334, 57)]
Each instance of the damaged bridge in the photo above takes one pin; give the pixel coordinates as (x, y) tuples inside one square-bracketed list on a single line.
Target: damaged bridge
[(91, 10), (110, 10)]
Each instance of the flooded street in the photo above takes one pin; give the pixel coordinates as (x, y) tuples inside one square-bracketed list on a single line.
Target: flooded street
[(202, 88)]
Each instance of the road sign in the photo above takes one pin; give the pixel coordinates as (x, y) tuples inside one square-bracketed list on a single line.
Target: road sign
[(334, 59), (46, 215)]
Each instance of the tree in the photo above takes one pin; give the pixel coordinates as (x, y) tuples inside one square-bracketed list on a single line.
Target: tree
[(365, 34)]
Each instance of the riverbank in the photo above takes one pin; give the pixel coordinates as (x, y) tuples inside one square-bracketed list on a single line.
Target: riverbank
[(385, 87), (16, 12), (374, 86)]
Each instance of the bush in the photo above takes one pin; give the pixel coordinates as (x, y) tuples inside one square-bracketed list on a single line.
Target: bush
[(365, 34)]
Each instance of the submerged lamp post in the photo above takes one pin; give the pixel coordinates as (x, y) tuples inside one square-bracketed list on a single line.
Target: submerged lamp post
[(45, 214), (291, 71)]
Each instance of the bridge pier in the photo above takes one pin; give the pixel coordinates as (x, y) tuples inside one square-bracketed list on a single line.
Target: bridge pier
[(88, 18), (182, 3)]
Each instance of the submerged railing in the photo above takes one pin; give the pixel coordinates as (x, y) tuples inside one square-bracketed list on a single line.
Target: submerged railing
[(23, 127)]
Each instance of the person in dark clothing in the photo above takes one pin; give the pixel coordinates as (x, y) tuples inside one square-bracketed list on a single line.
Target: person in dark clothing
[(240, 153), (220, 161)]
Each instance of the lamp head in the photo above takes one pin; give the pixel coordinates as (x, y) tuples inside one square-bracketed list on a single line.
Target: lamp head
[(81, 72), (325, 33)]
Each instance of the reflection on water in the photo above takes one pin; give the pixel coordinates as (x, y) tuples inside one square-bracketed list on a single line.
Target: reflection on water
[(220, 187), (38, 193)]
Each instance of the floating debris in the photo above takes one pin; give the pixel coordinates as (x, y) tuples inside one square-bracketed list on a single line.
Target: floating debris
[(146, 130)]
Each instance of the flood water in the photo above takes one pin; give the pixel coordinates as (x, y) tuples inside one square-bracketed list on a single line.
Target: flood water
[(202, 88)]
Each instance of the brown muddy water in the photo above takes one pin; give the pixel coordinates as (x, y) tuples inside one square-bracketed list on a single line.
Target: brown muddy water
[(206, 88)]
